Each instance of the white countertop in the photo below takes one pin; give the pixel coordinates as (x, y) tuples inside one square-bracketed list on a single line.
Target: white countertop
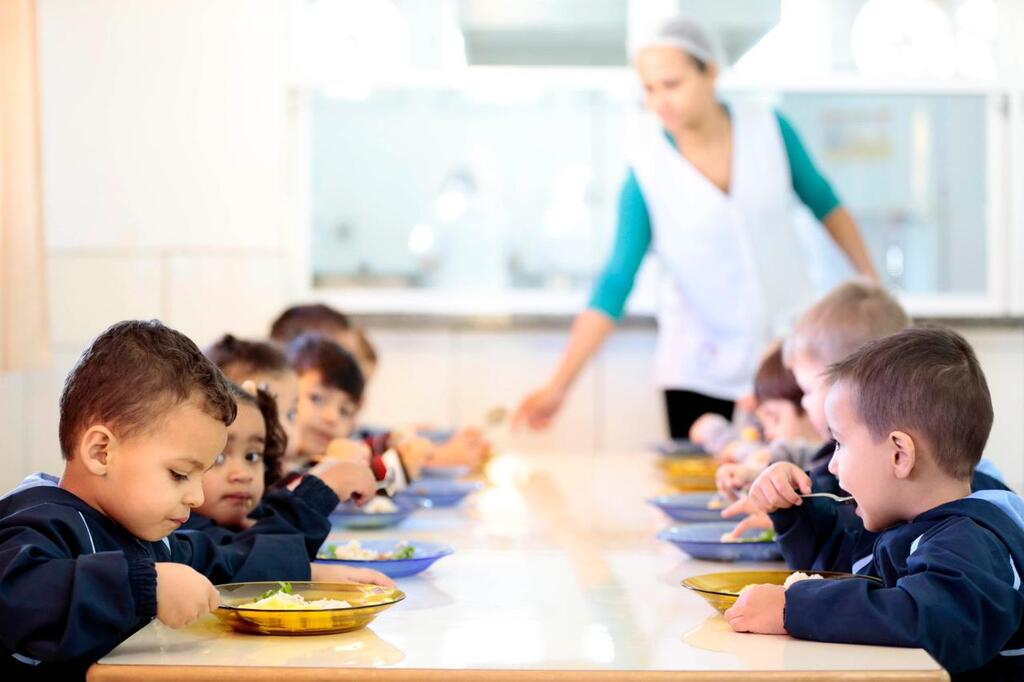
[(556, 568)]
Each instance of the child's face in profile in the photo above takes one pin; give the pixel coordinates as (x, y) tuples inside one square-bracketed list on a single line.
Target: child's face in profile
[(235, 483), (861, 463), (781, 419), (153, 480), (810, 377), (324, 413), (284, 387)]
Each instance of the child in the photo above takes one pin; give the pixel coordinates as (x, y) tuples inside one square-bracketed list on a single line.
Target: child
[(88, 560), (467, 446), (330, 396), (233, 489), (910, 415), (790, 435), (266, 366), (330, 392), (849, 316)]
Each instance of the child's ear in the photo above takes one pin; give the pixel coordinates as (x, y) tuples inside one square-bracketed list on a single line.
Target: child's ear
[(904, 453), (95, 449)]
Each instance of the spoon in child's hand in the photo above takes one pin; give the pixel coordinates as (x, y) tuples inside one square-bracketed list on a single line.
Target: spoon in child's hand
[(830, 496)]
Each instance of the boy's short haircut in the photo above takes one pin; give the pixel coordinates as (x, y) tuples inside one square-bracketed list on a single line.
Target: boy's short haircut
[(276, 440), (849, 316), (928, 383), (131, 374), (308, 318), (337, 367), (774, 382), (241, 358)]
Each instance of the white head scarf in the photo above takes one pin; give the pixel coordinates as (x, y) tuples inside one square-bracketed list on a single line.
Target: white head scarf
[(682, 33)]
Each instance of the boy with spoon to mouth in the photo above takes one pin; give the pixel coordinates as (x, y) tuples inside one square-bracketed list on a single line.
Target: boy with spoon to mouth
[(910, 414)]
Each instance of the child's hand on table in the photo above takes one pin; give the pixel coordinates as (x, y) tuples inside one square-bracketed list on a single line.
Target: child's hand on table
[(183, 595), (467, 447), (754, 519), (779, 487), (760, 609), (348, 480), (416, 452), (700, 427), (346, 450), (733, 478), (348, 574)]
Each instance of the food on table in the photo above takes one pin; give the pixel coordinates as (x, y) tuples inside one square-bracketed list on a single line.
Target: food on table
[(354, 551), (800, 575), (765, 536), (716, 502), (792, 579), (380, 505), (283, 599)]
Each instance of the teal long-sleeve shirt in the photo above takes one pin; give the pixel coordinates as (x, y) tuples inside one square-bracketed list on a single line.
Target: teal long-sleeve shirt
[(633, 237)]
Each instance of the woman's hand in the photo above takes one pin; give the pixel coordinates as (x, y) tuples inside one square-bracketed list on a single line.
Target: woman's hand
[(539, 408)]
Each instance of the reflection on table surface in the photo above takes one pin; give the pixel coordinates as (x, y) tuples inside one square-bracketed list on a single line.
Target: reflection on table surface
[(556, 567)]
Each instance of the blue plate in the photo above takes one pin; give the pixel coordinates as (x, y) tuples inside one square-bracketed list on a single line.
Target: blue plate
[(445, 472), (436, 436), (703, 541), (348, 515), (439, 492), (678, 448), (425, 555), (691, 507)]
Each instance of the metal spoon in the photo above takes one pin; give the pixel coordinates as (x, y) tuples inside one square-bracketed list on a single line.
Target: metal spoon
[(830, 496)]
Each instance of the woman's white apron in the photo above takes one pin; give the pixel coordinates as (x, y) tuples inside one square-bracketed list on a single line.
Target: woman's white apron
[(733, 273)]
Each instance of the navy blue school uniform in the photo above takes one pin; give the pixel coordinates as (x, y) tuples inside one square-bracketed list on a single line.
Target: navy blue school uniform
[(304, 511), (950, 585), (74, 584), (841, 542)]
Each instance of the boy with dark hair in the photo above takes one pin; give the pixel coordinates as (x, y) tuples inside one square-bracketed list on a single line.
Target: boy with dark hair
[(87, 560), (910, 414)]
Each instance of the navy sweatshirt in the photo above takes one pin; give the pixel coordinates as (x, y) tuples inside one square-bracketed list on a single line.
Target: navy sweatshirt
[(304, 512), (950, 584), (821, 535), (74, 584)]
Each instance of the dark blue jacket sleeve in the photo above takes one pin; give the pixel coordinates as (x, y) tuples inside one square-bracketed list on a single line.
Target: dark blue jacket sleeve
[(55, 607), (821, 535), (254, 558), (304, 511), (957, 602)]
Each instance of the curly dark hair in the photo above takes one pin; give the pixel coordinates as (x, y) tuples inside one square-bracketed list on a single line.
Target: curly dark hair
[(240, 358), (276, 441)]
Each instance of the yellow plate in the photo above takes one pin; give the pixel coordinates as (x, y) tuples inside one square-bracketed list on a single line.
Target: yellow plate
[(690, 473), (721, 589), (366, 602)]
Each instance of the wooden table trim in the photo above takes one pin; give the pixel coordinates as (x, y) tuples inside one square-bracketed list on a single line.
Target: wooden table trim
[(166, 673)]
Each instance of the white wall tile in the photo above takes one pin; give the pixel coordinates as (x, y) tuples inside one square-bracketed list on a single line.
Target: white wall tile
[(498, 369), (89, 292), (44, 414), (1001, 353), (163, 121), (13, 432), (631, 403), (211, 295), (413, 381)]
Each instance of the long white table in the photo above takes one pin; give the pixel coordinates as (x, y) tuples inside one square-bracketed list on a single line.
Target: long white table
[(557, 572)]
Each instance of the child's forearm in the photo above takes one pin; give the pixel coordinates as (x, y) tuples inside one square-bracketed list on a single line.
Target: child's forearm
[(62, 609)]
